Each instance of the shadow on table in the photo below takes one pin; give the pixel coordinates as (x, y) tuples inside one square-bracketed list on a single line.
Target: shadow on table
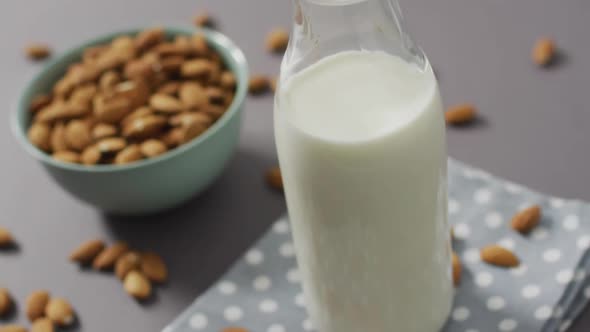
[(201, 239)]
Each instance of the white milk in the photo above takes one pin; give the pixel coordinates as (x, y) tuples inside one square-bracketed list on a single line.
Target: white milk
[(361, 145)]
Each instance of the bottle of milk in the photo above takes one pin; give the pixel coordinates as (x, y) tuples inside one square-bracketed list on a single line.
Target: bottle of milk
[(361, 144)]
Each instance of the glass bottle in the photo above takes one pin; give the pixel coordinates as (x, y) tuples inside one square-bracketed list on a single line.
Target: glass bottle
[(361, 143)]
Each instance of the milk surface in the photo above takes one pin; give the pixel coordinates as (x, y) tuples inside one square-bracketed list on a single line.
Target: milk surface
[(361, 144)]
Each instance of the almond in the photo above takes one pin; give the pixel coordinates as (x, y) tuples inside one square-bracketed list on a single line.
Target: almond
[(39, 135), (166, 104), (193, 96), (136, 114), (60, 312), (42, 325), (173, 138), (103, 130), (12, 328), (87, 251), (543, 52), (130, 154), (77, 135), (108, 80), (67, 157), (111, 110), (36, 303), (228, 80), (91, 156), (149, 38), (499, 256), (145, 127), (107, 258), (111, 145), (127, 263), (457, 269), (58, 137), (84, 93), (277, 40), (258, 84), (137, 285), (215, 95), (170, 88), (214, 111), (6, 239), (153, 148), (5, 302), (199, 68), (527, 219), (37, 51), (185, 119), (192, 130), (274, 178), (199, 45), (460, 114), (203, 20), (273, 84), (38, 102), (153, 267)]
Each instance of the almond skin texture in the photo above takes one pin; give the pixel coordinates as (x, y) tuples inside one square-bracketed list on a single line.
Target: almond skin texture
[(60, 312), (137, 285), (525, 220), (111, 145), (36, 303), (12, 328), (6, 239), (277, 40), (107, 258), (130, 154), (153, 148), (274, 179), (460, 114), (39, 134), (544, 52), (127, 263), (457, 269), (5, 302), (153, 267), (499, 256), (90, 156), (87, 251), (43, 325), (67, 157)]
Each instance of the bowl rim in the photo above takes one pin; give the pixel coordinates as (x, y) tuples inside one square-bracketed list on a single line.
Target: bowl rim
[(227, 49)]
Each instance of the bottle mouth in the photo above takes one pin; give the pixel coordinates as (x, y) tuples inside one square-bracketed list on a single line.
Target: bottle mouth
[(335, 2)]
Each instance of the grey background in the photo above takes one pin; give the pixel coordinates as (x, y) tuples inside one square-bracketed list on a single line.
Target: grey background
[(535, 132)]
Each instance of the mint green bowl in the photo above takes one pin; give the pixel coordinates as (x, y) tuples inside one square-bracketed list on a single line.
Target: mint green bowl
[(151, 185)]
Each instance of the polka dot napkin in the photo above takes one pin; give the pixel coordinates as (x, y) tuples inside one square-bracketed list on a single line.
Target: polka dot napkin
[(262, 292)]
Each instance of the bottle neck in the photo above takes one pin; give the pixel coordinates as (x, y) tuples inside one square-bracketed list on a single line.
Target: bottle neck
[(326, 27)]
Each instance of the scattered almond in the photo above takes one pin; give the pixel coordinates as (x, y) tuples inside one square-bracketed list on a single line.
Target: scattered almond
[(107, 258), (499, 256), (12, 328), (6, 239), (544, 52), (277, 40), (37, 51), (460, 114), (203, 20), (42, 325), (36, 303), (274, 178), (527, 219), (87, 251), (127, 263), (258, 84), (137, 285), (457, 269), (5, 302), (60, 312), (153, 267)]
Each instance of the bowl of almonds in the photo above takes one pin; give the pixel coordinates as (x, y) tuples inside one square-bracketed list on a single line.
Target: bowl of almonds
[(139, 121)]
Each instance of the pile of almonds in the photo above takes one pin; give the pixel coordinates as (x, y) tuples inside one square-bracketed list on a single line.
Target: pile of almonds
[(134, 98), (523, 222), (137, 270)]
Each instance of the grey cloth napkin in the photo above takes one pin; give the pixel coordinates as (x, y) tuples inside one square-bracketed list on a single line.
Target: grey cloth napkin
[(262, 291)]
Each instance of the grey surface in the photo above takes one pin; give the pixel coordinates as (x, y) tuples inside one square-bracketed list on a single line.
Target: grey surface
[(543, 294), (536, 133)]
